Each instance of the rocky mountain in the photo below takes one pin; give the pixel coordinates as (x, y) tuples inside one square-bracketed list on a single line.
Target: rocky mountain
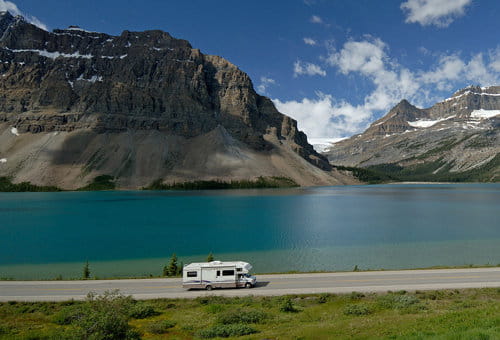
[(456, 139), (140, 106)]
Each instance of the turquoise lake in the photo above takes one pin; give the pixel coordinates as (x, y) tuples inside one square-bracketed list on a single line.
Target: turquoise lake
[(134, 233)]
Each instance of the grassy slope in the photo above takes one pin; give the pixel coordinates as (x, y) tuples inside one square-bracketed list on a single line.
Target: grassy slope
[(465, 314)]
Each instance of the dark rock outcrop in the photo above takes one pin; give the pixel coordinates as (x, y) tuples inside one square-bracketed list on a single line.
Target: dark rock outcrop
[(73, 80)]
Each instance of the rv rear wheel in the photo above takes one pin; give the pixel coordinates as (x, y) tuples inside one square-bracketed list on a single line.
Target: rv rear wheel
[(248, 285), (208, 287)]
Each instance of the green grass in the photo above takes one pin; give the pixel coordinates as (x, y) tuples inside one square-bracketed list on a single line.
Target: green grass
[(448, 314), (259, 183)]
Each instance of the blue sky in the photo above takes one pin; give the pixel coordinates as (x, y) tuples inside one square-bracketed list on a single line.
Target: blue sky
[(334, 65)]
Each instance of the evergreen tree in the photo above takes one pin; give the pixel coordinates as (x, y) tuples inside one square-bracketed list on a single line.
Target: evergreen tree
[(173, 268), (210, 257), (86, 271), (165, 271)]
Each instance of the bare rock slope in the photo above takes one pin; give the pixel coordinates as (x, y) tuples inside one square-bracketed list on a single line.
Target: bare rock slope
[(457, 139), (140, 106)]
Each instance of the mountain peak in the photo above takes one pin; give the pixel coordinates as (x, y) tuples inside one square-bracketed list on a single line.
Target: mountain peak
[(198, 113)]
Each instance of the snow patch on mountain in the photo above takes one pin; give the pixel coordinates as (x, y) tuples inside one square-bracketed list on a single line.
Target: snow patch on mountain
[(484, 114), (53, 55)]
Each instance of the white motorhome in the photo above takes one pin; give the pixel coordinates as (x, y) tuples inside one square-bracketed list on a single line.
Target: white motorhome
[(217, 274)]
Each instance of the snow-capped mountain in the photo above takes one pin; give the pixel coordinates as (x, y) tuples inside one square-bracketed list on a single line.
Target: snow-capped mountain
[(455, 136)]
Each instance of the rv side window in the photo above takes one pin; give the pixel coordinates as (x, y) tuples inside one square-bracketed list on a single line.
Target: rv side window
[(218, 273), (228, 272), (192, 274), (239, 269)]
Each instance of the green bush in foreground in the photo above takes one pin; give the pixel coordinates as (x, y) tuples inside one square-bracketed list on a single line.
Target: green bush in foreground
[(357, 310), (160, 327), (287, 306), (225, 331), (67, 315), (142, 311), (105, 317), (239, 316), (394, 301)]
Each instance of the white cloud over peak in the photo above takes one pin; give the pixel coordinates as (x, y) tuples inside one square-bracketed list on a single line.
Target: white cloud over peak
[(327, 116), (316, 19), (440, 13), (323, 116), (8, 6), (309, 69), (265, 82), (309, 41)]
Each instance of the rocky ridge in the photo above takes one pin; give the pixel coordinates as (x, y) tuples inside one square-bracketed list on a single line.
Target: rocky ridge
[(140, 106), (458, 135)]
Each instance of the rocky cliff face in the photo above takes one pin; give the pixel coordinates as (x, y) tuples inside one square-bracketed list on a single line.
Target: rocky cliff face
[(458, 135), (140, 106)]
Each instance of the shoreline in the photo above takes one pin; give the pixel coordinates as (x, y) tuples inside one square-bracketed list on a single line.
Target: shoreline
[(260, 274), (248, 188)]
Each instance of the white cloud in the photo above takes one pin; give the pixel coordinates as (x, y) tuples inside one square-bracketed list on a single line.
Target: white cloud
[(323, 116), (309, 41), (265, 82), (327, 116), (440, 13), (495, 60), (363, 56), (8, 6), (452, 68), (316, 19), (309, 69)]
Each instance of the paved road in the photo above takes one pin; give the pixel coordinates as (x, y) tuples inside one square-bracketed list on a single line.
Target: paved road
[(267, 285)]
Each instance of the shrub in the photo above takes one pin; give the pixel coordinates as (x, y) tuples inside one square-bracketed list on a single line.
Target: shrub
[(4, 330), (105, 317), (287, 306), (356, 296), (241, 317), (225, 331), (323, 298), (213, 299), (67, 315), (357, 310), (392, 301), (214, 309), (86, 271), (142, 311), (160, 327)]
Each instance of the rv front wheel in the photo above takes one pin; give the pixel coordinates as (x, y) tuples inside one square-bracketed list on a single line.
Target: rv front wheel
[(208, 287), (248, 285)]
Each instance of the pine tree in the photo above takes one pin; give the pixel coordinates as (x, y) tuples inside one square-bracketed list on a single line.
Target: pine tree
[(210, 257), (86, 271), (165, 271), (173, 268)]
